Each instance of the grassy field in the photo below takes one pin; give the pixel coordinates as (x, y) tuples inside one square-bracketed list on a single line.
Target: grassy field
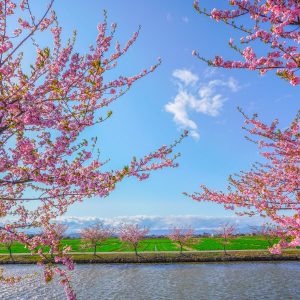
[(239, 243), (162, 244)]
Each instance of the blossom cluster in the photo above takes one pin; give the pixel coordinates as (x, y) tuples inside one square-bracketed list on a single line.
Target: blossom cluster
[(132, 234), (181, 235), (273, 23)]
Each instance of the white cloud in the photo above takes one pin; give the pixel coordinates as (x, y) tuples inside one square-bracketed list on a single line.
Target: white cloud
[(194, 134), (208, 99), (233, 84), (185, 76), (178, 108)]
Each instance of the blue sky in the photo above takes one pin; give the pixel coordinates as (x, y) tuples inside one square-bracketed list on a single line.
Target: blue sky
[(143, 119)]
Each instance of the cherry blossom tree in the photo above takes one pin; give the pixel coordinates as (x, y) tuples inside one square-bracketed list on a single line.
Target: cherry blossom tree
[(181, 235), (226, 231), (95, 235), (272, 187), (271, 26), (57, 229), (46, 165), (132, 234), (268, 232), (56, 232)]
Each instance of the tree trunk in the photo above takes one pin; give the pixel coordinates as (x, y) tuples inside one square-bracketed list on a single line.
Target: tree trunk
[(95, 249), (224, 246), (51, 253), (10, 253)]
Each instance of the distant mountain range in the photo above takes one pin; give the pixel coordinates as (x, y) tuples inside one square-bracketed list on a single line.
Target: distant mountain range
[(161, 225)]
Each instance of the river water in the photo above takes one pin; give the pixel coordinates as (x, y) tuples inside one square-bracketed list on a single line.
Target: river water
[(161, 281)]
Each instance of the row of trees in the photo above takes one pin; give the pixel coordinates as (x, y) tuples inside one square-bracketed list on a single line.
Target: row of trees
[(132, 234), (98, 234), (129, 234)]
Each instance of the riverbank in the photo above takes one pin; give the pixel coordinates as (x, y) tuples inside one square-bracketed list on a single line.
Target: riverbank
[(163, 257)]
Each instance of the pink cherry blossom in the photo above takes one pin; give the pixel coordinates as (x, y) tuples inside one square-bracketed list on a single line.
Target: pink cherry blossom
[(226, 231), (95, 235), (181, 235), (132, 234)]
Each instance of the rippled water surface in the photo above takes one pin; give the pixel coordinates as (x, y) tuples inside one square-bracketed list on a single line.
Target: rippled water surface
[(181, 281)]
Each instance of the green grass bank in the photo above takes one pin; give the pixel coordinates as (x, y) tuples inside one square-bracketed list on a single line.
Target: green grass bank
[(164, 257)]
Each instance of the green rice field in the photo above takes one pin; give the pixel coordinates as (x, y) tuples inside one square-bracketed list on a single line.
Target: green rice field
[(161, 244)]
